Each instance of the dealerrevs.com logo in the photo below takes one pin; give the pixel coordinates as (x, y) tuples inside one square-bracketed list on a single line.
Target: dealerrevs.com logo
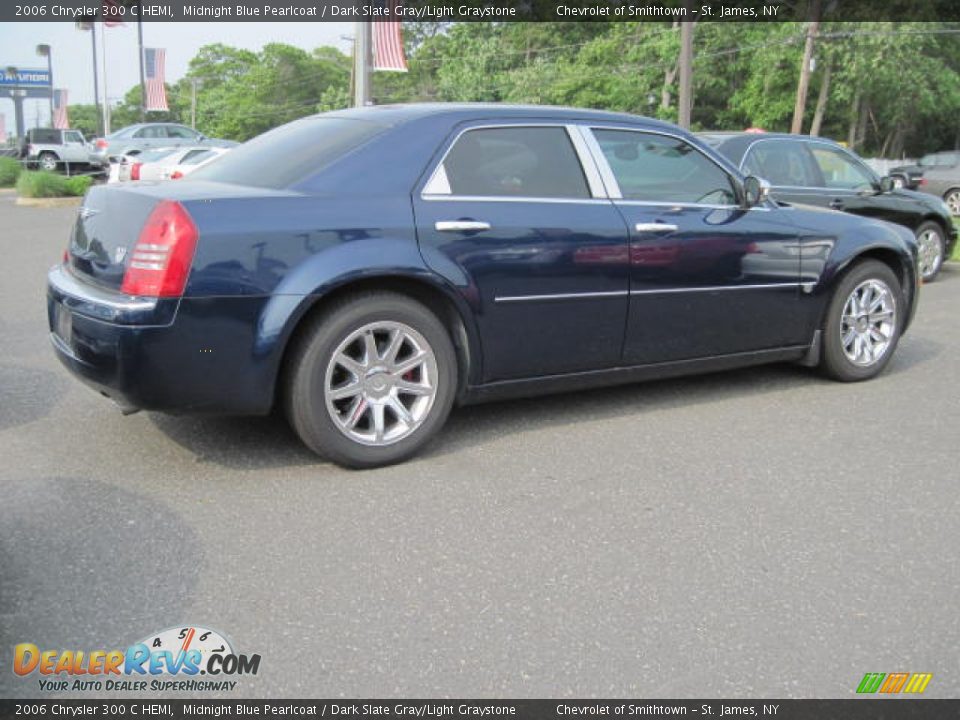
[(171, 660)]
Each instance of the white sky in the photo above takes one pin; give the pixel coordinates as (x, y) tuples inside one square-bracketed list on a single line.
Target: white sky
[(73, 61)]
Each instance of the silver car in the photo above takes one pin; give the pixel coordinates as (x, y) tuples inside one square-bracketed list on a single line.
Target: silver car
[(134, 139), (52, 148)]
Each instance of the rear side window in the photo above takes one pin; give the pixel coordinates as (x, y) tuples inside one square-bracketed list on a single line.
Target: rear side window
[(783, 163), (657, 168), (290, 153), (532, 162), (45, 136)]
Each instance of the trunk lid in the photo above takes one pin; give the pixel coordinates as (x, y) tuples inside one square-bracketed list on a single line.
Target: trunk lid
[(112, 217)]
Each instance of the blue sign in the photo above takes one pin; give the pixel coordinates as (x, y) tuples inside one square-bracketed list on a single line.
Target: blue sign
[(25, 77)]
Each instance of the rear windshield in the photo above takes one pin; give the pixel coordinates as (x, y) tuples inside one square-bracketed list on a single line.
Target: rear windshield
[(291, 153)]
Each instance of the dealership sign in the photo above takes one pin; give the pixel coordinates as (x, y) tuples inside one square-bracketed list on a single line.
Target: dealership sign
[(24, 77)]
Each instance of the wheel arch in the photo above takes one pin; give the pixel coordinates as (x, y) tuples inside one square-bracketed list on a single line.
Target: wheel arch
[(440, 301), (889, 257)]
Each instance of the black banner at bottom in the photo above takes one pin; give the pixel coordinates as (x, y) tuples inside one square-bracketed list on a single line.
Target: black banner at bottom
[(854, 709)]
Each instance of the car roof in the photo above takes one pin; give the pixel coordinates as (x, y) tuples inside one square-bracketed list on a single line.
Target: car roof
[(399, 114)]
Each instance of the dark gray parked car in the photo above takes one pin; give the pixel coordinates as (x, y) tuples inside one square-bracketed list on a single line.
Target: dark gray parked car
[(134, 139), (943, 180)]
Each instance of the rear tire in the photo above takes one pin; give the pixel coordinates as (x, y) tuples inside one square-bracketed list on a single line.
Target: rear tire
[(47, 161), (862, 326), (371, 380), (932, 245)]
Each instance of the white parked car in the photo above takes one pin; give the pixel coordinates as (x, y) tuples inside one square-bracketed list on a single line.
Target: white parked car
[(169, 163)]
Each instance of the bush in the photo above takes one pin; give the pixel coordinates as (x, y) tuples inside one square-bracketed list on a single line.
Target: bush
[(41, 185), (79, 184), (47, 184), (9, 171)]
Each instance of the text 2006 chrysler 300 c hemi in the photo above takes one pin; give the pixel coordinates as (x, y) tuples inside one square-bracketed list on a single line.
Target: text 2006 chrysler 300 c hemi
[(367, 269)]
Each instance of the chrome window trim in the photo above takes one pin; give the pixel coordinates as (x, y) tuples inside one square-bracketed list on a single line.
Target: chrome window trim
[(587, 162), (614, 189), (426, 194), (514, 198)]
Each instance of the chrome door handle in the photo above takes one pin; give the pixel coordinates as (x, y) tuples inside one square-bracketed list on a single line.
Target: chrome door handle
[(460, 225), (654, 228)]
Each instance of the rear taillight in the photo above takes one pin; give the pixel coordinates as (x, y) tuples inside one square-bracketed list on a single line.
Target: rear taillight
[(135, 171), (176, 175), (101, 143), (922, 181), (160, 262)]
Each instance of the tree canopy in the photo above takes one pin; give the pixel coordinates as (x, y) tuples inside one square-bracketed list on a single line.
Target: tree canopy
[(887, 88)]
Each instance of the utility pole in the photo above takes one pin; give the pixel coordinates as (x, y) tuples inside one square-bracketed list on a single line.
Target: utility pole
[(685, 95), (362, 43), (193, 103), (106, 92), (813, 27), (44, 50), (143, 82)]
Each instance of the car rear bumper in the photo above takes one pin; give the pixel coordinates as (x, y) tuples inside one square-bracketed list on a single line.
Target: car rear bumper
[(170, 355)]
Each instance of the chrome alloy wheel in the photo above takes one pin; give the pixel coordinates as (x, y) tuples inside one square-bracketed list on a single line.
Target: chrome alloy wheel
[(953, 202), (868, 323), (381, 383), (930, 253)]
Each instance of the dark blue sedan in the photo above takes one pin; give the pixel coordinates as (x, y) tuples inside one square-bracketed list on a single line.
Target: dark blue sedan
[(368, 269)]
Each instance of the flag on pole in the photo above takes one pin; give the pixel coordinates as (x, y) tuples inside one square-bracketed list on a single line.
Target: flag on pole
[(388, 40), (60, 120), (3, 128), (153, 61), (111, 11)]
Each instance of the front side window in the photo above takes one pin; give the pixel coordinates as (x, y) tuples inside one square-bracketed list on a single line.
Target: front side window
[(533, 162), (782, 163), (659, 168), (151, 132), (840, 171), (73, 137)]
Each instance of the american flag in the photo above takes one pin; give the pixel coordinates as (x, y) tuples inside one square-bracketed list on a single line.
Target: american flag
[(153, 60), (388, 40), (3, 128), (60, 110), (112, 11)]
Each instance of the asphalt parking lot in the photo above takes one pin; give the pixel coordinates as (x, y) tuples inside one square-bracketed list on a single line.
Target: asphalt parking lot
[(763, 533)]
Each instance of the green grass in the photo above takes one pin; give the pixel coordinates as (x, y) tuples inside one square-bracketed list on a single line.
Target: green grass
[(9, 171), (956, 248), (47, 184)]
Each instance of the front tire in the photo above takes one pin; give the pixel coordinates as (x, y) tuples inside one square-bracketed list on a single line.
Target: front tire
[(371, 380), (932, 246), (862, 327)]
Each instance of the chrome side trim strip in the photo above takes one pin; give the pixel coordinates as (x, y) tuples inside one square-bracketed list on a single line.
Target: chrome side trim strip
[(716, 288), (623, 293), (560, 296), (64, 282)]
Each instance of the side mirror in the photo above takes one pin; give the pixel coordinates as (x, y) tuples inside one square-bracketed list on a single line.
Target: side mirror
[(755, 191), (887, 184)]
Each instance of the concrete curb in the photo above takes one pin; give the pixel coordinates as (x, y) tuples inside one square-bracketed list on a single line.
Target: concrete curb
[(49, 202)]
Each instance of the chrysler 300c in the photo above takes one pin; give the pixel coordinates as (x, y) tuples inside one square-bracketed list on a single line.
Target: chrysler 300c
[(366, 270)]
